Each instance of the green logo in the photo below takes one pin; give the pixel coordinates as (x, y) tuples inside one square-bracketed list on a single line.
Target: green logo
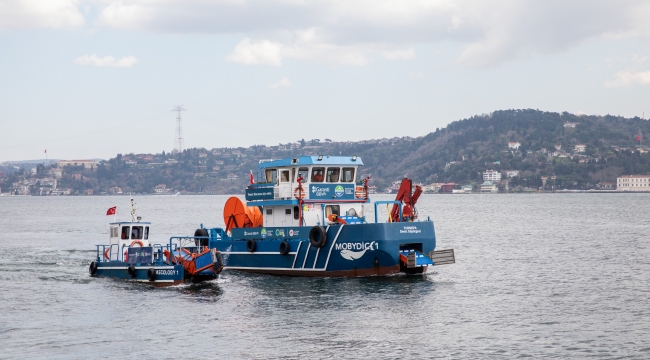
[(338, 190)]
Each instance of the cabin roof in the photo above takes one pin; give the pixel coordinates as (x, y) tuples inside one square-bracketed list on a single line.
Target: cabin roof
[(130, 223), (312, 160)]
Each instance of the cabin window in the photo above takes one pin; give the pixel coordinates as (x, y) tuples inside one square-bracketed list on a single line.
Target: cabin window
[(271, 175), (333, 174), (332, 209), (136, 232), (114, 232), (317, 174), (125, 232), (146, 233), (287, 211), (296, 213), (348, 175), (269, 211), (284, 175), (304, 173)]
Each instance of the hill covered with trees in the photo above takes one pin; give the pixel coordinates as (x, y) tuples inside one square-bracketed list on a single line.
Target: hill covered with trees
[(578, 152)]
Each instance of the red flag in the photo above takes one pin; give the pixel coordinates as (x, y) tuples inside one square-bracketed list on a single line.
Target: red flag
[(46, 151), (252, 179), (111, 211), (638, 137)]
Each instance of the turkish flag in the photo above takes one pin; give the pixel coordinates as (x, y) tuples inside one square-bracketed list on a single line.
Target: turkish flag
[(638, 137), (251, 178), (111, 211)]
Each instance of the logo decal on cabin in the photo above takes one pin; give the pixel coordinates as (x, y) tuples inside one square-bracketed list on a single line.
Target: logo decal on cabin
[(338, 191), (347, 249), (320, 191), (263, 232)]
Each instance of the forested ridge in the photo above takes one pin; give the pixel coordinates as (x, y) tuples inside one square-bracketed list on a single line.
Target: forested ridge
[(580, 152)]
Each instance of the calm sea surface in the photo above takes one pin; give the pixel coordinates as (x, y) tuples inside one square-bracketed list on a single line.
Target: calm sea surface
[(556, 275)]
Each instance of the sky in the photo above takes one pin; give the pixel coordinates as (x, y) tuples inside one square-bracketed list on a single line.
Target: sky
[(94, 78)]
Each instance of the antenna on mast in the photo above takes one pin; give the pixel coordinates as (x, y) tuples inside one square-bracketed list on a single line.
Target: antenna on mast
[(179, 143)]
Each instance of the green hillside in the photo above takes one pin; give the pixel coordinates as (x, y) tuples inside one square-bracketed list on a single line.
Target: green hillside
[(459, 153)]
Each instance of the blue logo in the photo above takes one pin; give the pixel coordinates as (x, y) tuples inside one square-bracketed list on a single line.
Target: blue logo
[(338, 191)]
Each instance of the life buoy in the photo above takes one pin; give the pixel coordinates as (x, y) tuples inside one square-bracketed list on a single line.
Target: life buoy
[(317, 236), (284, 247), (299, 193), (167, 255), (360, 192), (251, 245), (137, 242), (106, 254)]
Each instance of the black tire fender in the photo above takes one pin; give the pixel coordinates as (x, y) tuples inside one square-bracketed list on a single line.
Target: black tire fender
[(251, 245), (317, 236), (92, 269), (198, 241), (131, 270), (151, 274), (285, 248)]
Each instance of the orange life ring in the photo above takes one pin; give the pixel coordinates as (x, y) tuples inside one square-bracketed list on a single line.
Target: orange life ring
[(106, 253), (360, 192), (298, 194), (137, 242)]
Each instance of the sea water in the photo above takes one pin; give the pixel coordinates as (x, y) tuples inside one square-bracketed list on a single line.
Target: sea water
[(540, 275)]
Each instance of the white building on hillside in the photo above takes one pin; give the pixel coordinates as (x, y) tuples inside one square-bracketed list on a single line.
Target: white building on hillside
[(514, 145), (633, 183), (580, 148), (511, 173), (491, 175)]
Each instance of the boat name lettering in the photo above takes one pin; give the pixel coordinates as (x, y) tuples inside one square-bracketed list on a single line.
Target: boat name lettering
[(251, 233), (357, 246), (166, 272), (410, 230)]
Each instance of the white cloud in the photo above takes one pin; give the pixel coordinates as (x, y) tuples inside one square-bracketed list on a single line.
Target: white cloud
[(398, 54), (108, 61), (490, 32), (257, 53), (301, 45), (285, 82), (40, 14), (627, 78)]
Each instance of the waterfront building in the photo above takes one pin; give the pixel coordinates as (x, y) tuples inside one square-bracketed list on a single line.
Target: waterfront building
[(569, 124), (491, 175), (633, 183), (448, 188), (489, 187)]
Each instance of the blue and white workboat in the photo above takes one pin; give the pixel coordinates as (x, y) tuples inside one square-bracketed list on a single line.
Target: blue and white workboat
[(132, 255), (306, 217)]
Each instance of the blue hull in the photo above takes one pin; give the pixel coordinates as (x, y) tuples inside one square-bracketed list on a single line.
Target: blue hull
[(350, 250)]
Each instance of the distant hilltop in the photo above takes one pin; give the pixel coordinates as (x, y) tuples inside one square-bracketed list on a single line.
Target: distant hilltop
[(528, 149)]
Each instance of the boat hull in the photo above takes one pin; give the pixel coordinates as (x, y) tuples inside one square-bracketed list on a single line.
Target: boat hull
[(166, 275), (350, 250)]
